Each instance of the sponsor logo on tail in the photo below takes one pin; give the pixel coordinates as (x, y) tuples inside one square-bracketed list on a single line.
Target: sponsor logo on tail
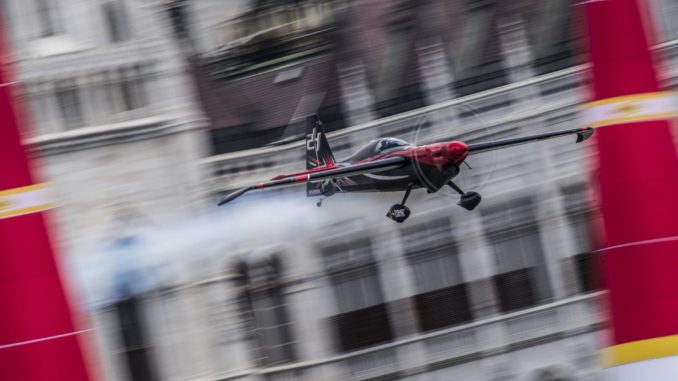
[(318, 153)]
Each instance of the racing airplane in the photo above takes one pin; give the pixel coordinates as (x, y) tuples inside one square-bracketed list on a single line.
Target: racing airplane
[(388, 165)]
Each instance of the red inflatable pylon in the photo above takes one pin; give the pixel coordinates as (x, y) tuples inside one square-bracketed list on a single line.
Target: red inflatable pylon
[(38, 338), (637, 186)]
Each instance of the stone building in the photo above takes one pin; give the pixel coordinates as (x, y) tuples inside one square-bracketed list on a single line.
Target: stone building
[(113, 121), (273, 288)]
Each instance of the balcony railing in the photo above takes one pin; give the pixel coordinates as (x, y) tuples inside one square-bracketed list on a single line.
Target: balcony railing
[(565, 318)]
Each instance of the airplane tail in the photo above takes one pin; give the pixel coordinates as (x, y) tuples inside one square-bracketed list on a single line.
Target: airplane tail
[(318, 152)]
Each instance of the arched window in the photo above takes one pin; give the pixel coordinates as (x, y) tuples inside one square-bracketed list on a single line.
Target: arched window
[(263, 305)]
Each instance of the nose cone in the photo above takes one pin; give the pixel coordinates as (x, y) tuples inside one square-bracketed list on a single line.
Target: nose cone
[(441, 154), (457, 152)]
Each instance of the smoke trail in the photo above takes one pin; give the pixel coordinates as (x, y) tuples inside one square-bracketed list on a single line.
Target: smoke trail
[(151, 257)]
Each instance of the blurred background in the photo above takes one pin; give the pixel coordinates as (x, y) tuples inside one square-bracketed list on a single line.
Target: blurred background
[(143, 113)]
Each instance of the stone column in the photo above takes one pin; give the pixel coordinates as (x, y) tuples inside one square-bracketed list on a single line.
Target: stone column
[(557, 241), (478, 264), (478, 267), (399, 286), (53, 119), (84, 87), (107, 339)]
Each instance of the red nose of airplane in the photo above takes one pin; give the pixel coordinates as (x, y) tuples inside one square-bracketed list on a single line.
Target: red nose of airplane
[(441, 154), (457, 152)]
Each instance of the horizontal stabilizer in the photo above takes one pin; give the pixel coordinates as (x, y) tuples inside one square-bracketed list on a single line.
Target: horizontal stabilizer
[(233, 195), (587, 133)]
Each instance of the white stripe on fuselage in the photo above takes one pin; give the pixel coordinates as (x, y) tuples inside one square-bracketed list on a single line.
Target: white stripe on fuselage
[(382, 177)]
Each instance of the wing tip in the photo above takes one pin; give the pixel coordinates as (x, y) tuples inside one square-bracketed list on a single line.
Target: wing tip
[(584, 134), (233, 195), (224, 201)]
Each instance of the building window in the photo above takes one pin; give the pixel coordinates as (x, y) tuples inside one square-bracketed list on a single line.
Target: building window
[(265, 311), (478, 58), (126, 91), (480, 78), (397, 81), (177, 16), (402, 99), (515, 289), (136, 349), (273, 326), (554, 35), (32, 102), (116, 21), (363, 315), (586, 260), (668, 10), (68, 99), (129, 96), (47, 21), (133, 92), (442, 298), (521, 279), (588, 272)]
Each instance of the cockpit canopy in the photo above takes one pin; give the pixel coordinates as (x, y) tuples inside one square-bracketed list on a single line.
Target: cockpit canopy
[(377, 146), (388, 143)]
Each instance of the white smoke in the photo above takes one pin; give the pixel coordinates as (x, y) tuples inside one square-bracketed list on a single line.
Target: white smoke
[(202, 245)]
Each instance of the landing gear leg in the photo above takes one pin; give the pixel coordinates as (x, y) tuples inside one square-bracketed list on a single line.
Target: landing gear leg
[(320, 202), (469, 200), (399, 212)]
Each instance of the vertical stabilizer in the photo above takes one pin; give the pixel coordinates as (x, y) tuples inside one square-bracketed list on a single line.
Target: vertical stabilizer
[(318, 152)]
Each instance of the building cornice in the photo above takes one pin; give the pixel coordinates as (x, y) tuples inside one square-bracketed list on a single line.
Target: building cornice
[(95, 60), (97, 136)]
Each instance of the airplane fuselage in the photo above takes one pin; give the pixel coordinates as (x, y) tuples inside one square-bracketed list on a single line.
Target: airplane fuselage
[(429, 166), (389, 165)]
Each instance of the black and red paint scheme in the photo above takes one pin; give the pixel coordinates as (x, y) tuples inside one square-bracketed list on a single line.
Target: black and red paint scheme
[(389, 165)]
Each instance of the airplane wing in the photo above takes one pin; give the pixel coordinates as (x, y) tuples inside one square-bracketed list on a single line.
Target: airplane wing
[(582, 134), (321, 175)]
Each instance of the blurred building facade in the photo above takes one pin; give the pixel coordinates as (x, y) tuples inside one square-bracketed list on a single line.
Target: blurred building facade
[(506, 292), (104, 90), (111, 110)]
